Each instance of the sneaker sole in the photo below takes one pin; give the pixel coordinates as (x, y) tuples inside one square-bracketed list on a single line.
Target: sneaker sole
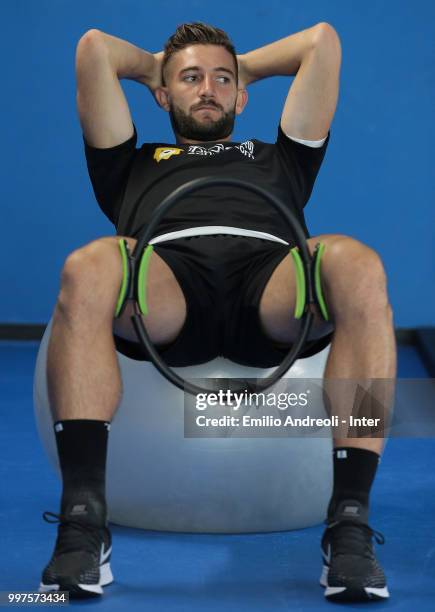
[(81, 591), (351, 594)]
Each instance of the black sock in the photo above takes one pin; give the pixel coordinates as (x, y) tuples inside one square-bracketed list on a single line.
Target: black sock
[(354, 472), (82, 450)]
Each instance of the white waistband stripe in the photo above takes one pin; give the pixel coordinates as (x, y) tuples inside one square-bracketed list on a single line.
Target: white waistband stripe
[(215, 229)]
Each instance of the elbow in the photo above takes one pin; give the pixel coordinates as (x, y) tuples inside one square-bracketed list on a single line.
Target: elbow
[(324, 28), (90, 36), (326, 34), (89, 45), (91, 40)]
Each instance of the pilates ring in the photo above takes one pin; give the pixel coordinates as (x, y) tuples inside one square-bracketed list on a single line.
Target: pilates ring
[(301, 258)]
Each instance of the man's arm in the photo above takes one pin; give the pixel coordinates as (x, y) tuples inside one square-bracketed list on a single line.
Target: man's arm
[(101, 61), (314, 57)]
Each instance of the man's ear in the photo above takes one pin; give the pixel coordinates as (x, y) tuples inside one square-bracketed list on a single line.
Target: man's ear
[(162, 96), (242, 100)]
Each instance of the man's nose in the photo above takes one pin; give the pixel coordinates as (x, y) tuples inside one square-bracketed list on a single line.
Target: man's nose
[(206, 87)]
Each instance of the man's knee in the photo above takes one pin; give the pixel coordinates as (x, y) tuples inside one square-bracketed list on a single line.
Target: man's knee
[(354, 259), (92, 273), (353, 273)]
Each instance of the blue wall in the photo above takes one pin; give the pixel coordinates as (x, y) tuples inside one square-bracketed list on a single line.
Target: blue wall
[(376, 184)]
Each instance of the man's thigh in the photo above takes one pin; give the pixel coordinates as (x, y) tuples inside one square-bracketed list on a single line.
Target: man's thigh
[(277, 302)]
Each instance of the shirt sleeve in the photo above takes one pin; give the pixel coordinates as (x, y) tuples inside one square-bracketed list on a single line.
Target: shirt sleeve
[(301, 162), (109, 170)]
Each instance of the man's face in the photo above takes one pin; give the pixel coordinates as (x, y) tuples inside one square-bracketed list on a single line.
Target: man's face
[(201, 93)]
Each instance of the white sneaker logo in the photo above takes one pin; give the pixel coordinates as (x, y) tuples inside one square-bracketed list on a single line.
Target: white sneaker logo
[(104, 555), (351, 510), (79, 509)]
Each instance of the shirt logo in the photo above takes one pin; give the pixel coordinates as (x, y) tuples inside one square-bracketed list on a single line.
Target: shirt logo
[(165, 153), (246, 148)]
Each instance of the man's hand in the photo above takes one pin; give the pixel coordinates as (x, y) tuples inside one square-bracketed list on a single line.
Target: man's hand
[(153, 79), (244, 75)]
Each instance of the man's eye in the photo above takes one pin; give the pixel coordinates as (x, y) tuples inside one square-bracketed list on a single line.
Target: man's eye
[(190, 78)]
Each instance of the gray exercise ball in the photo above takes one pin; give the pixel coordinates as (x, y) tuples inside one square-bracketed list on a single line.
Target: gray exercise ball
[(158, 479)]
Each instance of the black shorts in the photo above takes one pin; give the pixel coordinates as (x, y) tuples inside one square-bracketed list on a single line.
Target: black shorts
[(222, 277)]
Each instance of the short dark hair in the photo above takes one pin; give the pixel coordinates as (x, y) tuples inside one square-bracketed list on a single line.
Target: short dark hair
[(196, 33)]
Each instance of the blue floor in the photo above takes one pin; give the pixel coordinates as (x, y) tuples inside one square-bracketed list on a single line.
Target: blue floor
[(174, 572)]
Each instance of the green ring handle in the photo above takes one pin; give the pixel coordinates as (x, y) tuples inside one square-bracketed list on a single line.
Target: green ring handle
[(125, 279), (143, 278), (300, 283)]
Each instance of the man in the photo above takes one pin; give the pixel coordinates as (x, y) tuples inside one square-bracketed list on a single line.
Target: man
[(220, 282)]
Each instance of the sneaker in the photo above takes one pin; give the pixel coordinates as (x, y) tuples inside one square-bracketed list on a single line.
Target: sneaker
[(81, 559), (350, 569)]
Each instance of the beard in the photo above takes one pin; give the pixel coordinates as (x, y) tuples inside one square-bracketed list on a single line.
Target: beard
[(187, 126)]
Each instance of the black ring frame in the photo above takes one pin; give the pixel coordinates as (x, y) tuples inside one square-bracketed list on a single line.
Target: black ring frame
[(306, 319)]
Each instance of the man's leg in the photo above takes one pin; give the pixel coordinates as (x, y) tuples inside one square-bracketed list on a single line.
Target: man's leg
[(363, 353), (83, 373), (84, 388)]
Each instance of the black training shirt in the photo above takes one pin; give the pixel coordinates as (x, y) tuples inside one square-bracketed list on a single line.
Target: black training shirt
[(121, 174)]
